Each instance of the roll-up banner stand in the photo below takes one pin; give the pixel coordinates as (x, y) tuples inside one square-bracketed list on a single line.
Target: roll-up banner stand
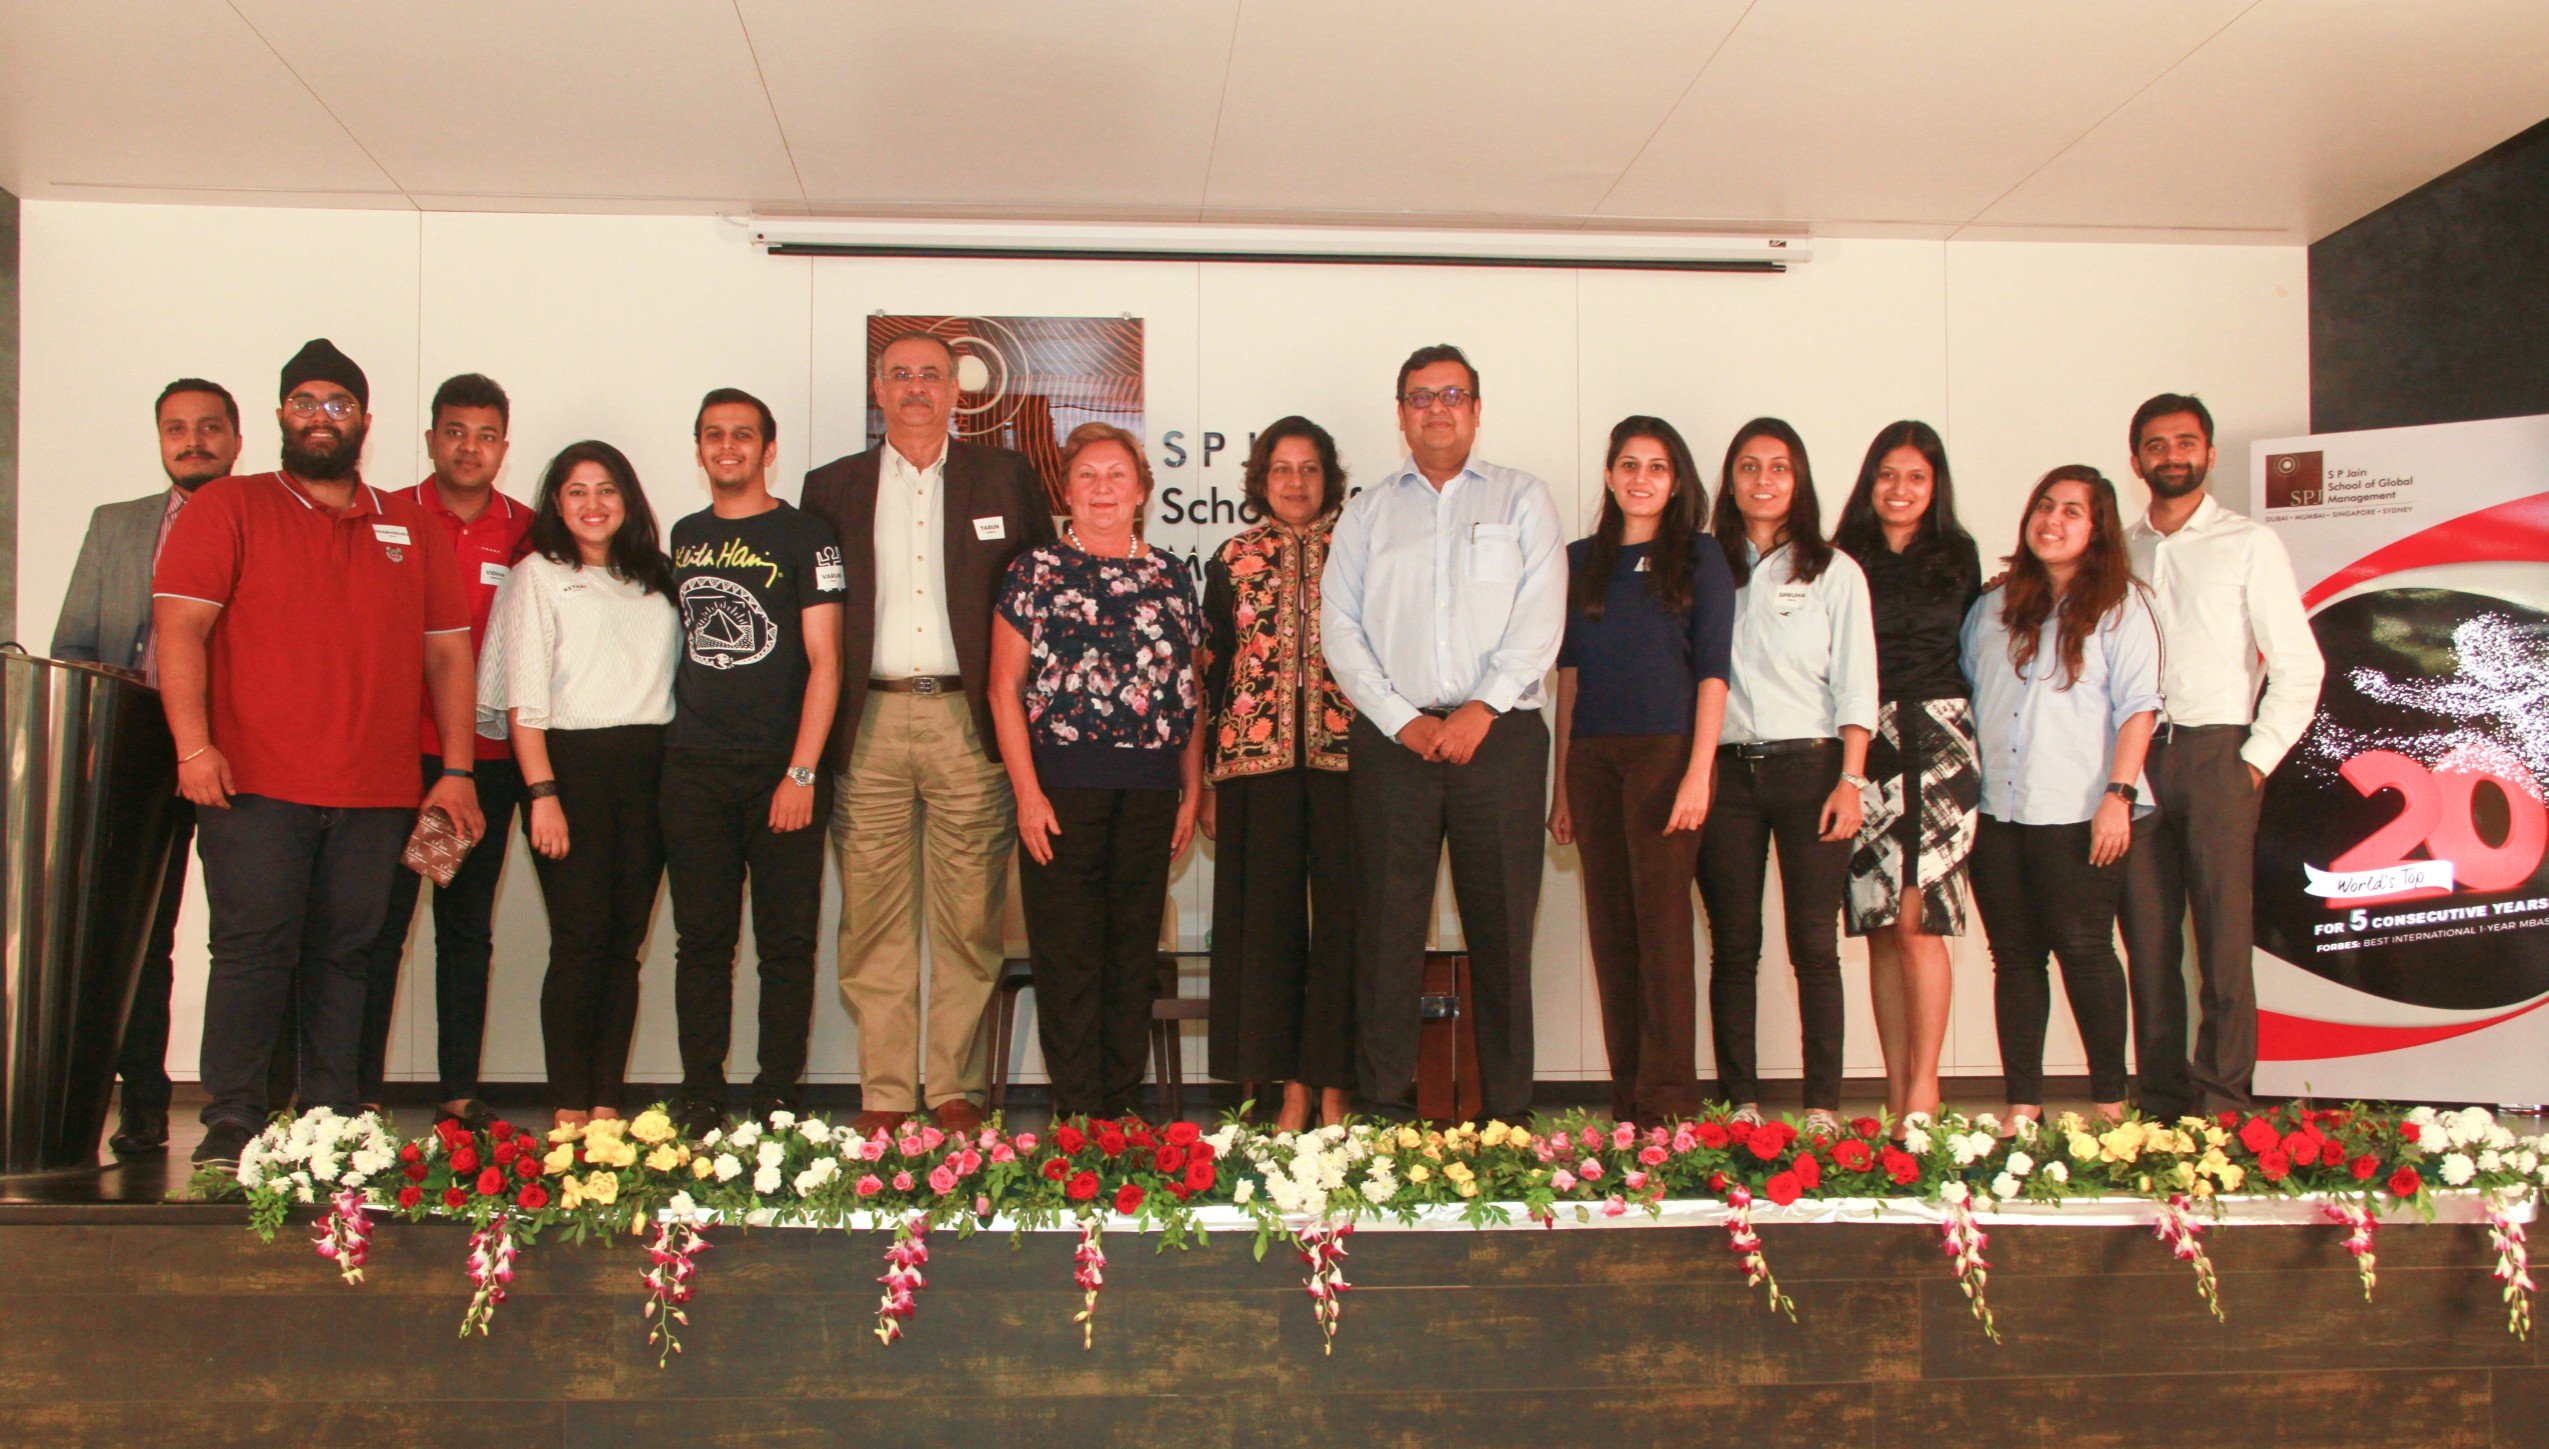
[(2402, 905)]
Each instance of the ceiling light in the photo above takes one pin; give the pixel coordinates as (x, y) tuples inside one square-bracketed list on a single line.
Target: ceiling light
[(1349, 246)]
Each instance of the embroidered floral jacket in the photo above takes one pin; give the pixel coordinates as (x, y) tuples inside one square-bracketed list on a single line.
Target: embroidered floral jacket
[(1261, 656)]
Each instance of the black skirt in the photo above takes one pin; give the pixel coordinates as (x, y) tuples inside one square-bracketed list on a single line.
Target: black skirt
[(1283, 930)]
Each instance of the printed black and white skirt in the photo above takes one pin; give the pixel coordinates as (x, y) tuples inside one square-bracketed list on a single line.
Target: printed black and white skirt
[(1919, 824)]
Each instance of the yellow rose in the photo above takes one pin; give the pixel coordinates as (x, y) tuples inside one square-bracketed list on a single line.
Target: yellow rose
[(651, 1126), (1468, 1189), (1418, 1173), (2121, 1144), (1495, 1134), (566, 1132), (560, 1158), (615, 1152), (2203, 1187), (2069, 1123), (1518, 1138), (701, 1167), (2182, 1175), (664, 1158), (2232, 1175), (2083, 1147), (1410, 1137), (601, 1189), (570, 1195), (1458, 1172), (2214, 1136)]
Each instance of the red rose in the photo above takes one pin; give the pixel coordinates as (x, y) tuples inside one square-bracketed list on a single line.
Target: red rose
[(2405, 1183), (1853, 1155), (2273, 1165), (411, 1153), (1784, 1132), (1111, 1142), (1740, 1133), (1809, 1171), (1128, 1199), (526, 1167), (506, 1151), (1717, 1182), (2331, 1152), (502, 1131), (491, 1182), (415, 1171), (2226, 1118), (453, 1135), (1202, 1151), (1782, 1188), (2302, 1147), (464, 1159), (1170, 1158), (1765, 1144), (1141, 1137), (1184, 1134), (1714, 1135), (1901, 1166), (2366, 1167), (1201, 1175), (2259, 1134), (1069, 1139), (1055, 1169), (455, 1196), (1083, 1186), (532, 1198), (409, 1196), (1868, 1128)]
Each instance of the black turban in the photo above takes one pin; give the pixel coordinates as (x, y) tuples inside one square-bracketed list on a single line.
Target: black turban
[(319, 361)]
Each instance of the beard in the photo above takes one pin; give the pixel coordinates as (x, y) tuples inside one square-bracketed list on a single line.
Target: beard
[(2175, 480), (324, 463), (193, 473)]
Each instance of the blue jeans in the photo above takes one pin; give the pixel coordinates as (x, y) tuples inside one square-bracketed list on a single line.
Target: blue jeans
[(297, 895)]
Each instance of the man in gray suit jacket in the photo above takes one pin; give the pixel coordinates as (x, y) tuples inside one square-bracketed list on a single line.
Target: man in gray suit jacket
[(105, 619)]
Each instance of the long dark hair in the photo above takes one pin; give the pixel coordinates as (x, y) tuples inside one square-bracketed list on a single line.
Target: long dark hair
[(1668, 556), (1252, 474), (637, 550), (1809, 552), (2104, 578), (1940, 545)]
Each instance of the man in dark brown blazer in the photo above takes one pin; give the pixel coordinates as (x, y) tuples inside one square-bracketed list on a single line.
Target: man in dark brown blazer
[(928, 526)]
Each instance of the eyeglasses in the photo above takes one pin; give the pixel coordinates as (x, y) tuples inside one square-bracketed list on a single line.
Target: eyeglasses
[(929, 375), (1422, 398), (338, 409)]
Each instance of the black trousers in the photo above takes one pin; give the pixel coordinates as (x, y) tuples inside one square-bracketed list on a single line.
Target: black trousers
[(1775, 799), (1093, 917), (2203, 852), (1283, 929), (716, 814), (1490, 812), (297, 895), (2039, 895), (601, 897), (464, 943), (141, 1064)]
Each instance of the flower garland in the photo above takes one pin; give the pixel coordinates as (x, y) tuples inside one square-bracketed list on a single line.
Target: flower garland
[(645, 1177)]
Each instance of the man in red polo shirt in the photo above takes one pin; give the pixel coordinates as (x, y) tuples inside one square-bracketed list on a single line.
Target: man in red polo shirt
[(301, 618), (486, 531)]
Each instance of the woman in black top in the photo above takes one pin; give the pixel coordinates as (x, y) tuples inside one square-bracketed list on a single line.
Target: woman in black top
[(1907, 874), (1641, 699)]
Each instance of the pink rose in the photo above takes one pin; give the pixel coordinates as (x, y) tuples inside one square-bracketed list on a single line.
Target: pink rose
[(1000, 1153), (1612, 1206), (1026, 1141), (1562, 1180), (968, 1162), (902, 1182), (909, 1146), (1592, 1136), (1652, 1155), (982, 1205), (1684, 1139), (930, 1137), (873, 1149), (1589, 1169), (1636, 1181), (869, 1186), (942, 1179), (1624, 1136)]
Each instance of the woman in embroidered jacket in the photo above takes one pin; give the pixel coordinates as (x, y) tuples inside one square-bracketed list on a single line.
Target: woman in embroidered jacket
[(1283, 878)]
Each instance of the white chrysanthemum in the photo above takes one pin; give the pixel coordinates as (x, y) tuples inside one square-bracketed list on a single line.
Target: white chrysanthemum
[(1916, 1120), (1985, 1122), (728, 1169), (822, 1171), (772, 1154), (2491, 1161), (2418, 1116), (2004, 1186), (744, 1135), (1223, 1139), (2059, 1171), (782, 1120), (1378, 1188), (2020, 1164), (1915, 1141), (2500, 1137), (715, 1136), (760, 1217), (1246, 1191), (815, 1130), (1954, 1192), (2468, 1125), (681, 1206), (2526, 1162), (766, 1180), (2457, 1169), (1970, 1148)]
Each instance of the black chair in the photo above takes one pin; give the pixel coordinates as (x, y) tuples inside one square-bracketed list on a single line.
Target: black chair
[(1168, 1008)]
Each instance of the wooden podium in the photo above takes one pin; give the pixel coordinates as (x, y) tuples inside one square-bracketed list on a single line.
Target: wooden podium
[(1447, 1089)]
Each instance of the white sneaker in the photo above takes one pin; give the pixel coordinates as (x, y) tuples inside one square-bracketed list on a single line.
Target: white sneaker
[(1822, 1122)]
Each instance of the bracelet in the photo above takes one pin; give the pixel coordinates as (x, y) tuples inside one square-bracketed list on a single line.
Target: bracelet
[(451, 774), (181, 759), (543, 790)]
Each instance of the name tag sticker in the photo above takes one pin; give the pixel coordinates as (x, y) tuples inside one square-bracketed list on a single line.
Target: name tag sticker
[(831, 576), (493, 575), (992, 529), (1789, 599), (391, 533)]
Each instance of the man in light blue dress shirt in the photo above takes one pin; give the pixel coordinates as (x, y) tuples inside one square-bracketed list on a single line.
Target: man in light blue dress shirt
[(1441, 612)]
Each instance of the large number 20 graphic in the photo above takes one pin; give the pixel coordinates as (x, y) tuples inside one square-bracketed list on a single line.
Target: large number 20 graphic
[(2441, 814)]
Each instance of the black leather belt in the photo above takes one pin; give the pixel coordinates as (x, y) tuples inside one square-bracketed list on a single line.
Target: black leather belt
[(1765, 749), (921, 684)]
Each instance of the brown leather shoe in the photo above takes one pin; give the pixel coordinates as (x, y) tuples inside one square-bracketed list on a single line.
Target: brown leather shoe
[(958, 1117), (868, 1124)]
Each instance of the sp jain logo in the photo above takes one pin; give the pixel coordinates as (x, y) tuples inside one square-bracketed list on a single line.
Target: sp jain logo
[(2295, 480)]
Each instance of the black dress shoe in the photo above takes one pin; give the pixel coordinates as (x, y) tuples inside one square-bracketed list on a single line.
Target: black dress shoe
[(143, 1131), (697, 1118), (223, 1142), (475, 1115)]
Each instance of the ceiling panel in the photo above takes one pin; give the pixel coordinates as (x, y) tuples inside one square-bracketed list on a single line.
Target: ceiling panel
[(1874, 111), (1500, 111), (532, 98), (140, 99), (2301, 117), (904, 103)]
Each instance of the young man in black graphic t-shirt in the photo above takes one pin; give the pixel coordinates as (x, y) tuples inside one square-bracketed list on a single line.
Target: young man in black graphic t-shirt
[(760, 586)]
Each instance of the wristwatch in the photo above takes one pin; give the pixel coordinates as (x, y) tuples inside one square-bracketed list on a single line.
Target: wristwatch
[(800, 775), (1857, 782), (2125, 790)]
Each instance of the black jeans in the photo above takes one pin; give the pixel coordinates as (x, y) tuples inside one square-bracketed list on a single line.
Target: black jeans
[(601, 896), (1093, 918), (716, 814), (464, 943), (2202, 852), (297, 894), (142, 1062), (2039, 895), (1761, 801)]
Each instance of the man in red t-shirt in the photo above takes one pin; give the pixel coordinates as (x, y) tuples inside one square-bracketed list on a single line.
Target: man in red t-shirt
[(300, 619), (486, 530)]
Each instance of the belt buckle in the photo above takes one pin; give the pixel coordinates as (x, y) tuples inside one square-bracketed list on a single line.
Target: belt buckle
[(924, 684)]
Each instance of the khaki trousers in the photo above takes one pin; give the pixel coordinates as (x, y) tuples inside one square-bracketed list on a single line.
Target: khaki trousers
[(922, 800)]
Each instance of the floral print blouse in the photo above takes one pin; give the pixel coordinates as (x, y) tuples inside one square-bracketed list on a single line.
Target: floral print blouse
[(1111, 691), (1271, 699)]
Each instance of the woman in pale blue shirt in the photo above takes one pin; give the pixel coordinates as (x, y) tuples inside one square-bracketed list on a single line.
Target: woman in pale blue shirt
[(1800, 704), (2065, 660)]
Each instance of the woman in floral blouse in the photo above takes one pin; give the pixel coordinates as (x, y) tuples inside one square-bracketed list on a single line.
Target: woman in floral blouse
[(1093, 695), (1283, 923)]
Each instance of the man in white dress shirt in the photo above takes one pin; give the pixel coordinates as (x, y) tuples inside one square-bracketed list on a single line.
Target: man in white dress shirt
[(1442, 606), (2229, 613)]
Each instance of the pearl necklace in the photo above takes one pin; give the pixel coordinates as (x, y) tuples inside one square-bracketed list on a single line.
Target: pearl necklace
[(1071, 535)]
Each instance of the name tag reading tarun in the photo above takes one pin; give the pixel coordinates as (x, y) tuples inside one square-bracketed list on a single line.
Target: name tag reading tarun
[(992, 529)]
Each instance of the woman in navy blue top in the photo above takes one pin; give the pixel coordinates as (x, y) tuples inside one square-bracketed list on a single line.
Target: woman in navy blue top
[(1641, 696), (1094, 696)]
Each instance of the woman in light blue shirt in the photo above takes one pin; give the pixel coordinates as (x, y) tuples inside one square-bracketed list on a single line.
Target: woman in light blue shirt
[(1800, 703), (2065, 661)]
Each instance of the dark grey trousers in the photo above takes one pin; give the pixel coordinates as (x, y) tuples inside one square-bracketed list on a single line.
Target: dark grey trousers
[(2201, 852), (1490, 811)]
